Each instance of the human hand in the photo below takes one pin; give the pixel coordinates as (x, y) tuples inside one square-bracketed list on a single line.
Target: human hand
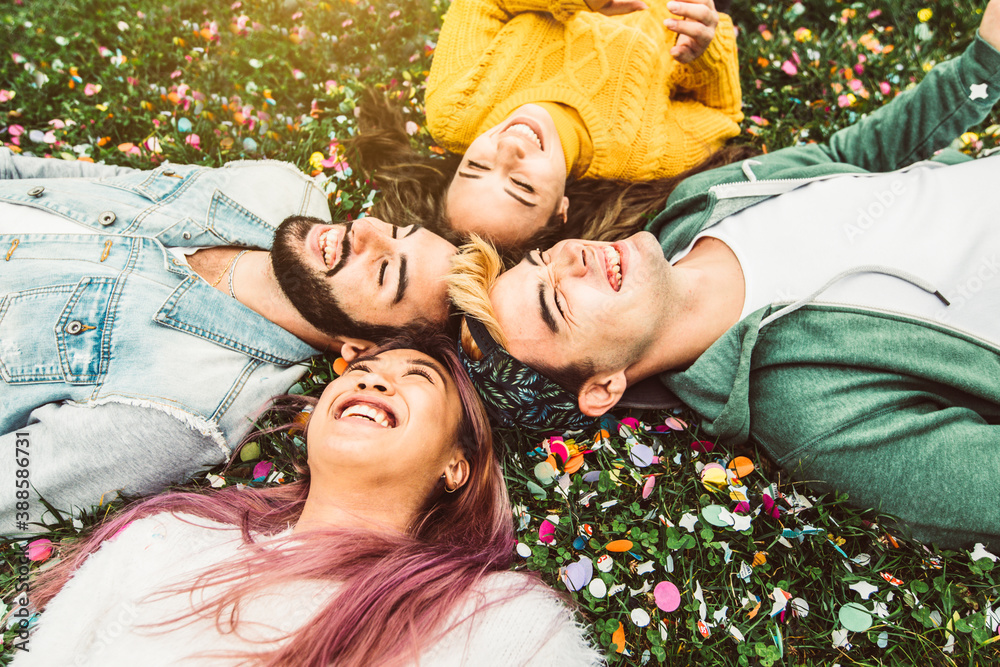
[(989, 27), (615, 7), (698, 30)]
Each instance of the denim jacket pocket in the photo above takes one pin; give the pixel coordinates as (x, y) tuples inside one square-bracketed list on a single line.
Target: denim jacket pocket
[(35, 349)]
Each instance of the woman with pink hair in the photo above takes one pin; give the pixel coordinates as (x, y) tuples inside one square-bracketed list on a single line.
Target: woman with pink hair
[(392, 548)]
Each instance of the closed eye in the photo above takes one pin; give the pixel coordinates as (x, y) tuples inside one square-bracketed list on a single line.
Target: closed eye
[(357, 366), (476, 165), (413, 370), (381, 272), (524, 186)]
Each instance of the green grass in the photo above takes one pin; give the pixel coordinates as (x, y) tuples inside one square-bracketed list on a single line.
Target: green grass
[(131, 82)]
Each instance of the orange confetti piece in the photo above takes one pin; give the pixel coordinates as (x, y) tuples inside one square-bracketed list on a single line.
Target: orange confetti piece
[(742, 466), (574, 463), (340, 365), (618, 639), (126, 147), (891, 579), (759, 558), (619, 545)]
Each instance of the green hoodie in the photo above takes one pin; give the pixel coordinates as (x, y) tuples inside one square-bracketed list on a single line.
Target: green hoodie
[(899, 413)]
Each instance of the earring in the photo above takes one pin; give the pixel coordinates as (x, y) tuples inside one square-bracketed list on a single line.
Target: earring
[(447, 490)]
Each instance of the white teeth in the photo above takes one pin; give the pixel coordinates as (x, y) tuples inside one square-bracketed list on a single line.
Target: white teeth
[(367, 412), (614, 260), (327, 248), (525, 131)]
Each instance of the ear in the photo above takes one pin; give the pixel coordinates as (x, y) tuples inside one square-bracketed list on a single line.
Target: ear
[(601, 393), (563, 210), (350, 348), (456, 474)]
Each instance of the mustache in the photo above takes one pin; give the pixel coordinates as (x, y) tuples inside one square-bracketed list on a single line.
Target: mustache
[(345, 251)]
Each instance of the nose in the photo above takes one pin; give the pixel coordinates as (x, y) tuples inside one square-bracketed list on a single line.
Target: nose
[(572, 259), (374, 381), (367, 237), (509, 151)]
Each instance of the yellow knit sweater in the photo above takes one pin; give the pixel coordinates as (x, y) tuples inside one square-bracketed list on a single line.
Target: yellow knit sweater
[(646, 115)]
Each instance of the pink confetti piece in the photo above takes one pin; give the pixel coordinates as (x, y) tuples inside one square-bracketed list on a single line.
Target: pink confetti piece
[(674, 424), (547, 532), (667, 597), (702, 446), (40, 550), (789, 68), (261, 470)]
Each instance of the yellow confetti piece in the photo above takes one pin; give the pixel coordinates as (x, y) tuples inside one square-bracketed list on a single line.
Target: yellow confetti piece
[(714, 479)]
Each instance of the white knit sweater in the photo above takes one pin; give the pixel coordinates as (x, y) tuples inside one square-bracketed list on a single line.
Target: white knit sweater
[(97, 618)]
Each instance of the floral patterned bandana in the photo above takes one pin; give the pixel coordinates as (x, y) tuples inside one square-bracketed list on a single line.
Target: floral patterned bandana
[(516, 394)]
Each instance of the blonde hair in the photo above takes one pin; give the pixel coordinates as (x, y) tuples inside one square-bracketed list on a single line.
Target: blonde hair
[(474, 270)]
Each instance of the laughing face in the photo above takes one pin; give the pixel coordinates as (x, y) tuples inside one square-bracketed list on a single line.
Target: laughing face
[(363, 278), (390, 421), (511, 180), (585, 302)]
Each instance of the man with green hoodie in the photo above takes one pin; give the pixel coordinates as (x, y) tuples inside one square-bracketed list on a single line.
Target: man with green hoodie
[(838, 305)]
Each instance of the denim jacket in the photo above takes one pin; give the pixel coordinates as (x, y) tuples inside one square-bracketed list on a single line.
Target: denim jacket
[(112, 317)]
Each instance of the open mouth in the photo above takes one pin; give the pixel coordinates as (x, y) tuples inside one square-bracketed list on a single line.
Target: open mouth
[(525, 126), (613, 267), (366, 410), (523, 130), (330, 246)]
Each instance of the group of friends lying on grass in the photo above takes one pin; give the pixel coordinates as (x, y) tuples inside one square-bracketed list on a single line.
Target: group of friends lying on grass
[(831, 304)]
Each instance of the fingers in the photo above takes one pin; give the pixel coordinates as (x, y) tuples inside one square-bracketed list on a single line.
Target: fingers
[(616, 7), (699, 11), (685, 53), (696, 32)]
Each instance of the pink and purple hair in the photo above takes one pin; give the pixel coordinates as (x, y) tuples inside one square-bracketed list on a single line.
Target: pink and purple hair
[(396, 592)]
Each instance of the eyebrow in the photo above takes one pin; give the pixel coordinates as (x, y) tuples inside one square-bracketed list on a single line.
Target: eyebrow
[(431, 365), (403, 281), (518, 197), (544, 307), (507, 190)]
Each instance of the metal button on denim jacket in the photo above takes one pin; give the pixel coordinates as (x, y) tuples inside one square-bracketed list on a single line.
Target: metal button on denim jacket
[(111, 317)]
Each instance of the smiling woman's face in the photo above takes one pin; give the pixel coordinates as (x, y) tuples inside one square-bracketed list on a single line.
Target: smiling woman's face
[(389, 422), (511, 181)]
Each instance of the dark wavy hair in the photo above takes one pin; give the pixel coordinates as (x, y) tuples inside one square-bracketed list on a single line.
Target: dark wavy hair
[(412, 186)]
